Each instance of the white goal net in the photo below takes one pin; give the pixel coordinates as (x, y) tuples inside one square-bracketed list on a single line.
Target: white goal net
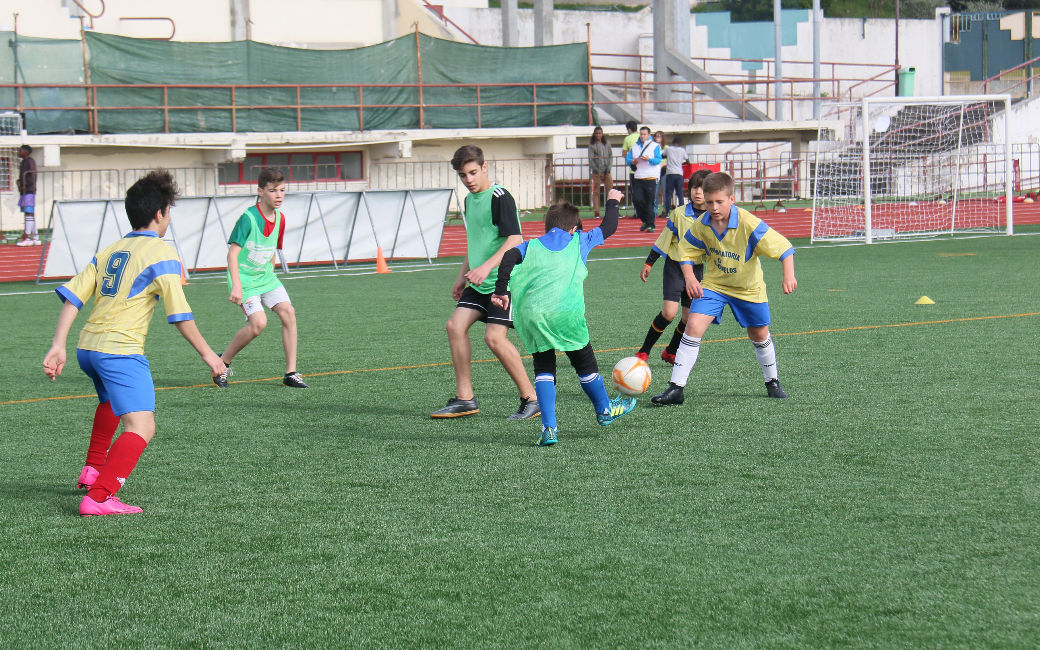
[(912, 167), (10, 218)]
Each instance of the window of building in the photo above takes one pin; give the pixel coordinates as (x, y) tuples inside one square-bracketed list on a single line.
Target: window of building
[(297, 167)]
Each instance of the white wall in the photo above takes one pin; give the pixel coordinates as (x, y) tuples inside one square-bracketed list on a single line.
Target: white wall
[(317, 23), (844, 40)]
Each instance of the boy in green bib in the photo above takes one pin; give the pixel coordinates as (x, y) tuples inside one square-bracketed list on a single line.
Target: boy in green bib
[(549, 299), (257, 235), (492, 228)]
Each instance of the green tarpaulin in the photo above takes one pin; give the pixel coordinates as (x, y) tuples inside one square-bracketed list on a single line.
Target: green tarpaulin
[(121, 60), (28, 60)]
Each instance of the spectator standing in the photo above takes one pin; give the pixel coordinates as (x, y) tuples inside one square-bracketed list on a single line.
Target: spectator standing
[(644, 159), (27, 196), (675, 154), (626, 146), (600, 159)]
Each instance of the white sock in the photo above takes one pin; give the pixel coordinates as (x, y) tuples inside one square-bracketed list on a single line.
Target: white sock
[(766, 354), (30, 225), (685, 357)]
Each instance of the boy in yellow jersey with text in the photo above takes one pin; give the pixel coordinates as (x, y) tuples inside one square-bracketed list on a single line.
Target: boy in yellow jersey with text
[(492, 228), (126, 280), (257, 236), (729, 241), (674, 283)]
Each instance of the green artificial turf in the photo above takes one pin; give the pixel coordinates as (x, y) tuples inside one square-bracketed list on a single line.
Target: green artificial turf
[(891, 502)]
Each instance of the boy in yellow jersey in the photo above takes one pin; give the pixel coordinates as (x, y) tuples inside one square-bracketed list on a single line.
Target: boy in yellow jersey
[(729, 240), (674, 283), (492, 228), (253, 285), (126, 279)]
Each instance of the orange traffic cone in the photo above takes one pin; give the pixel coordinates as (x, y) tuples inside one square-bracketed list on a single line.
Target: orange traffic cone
[(381, 266), (184, 276)]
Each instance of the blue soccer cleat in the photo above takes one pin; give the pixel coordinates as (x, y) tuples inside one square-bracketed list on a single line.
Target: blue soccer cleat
[(619, 406), (548, 437)]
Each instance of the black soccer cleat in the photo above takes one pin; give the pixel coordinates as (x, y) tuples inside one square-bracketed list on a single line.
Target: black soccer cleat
[(528, 409), (773, 389), (671, 395), (457, 408), (293, 380), (221, 379)]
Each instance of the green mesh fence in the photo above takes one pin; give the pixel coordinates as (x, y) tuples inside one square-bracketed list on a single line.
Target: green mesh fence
[(24, 59), (121, 60)]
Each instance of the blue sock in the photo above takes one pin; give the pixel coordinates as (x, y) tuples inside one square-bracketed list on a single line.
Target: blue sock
[(545, 389), (597, 392)]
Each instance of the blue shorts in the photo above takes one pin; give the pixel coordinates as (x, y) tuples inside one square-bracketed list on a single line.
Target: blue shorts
[(748, 314), (27, 202), (123, 379)]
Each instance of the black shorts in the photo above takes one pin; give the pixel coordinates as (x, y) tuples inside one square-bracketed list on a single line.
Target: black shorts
[(583, 361), (675, 284), (489, 313)]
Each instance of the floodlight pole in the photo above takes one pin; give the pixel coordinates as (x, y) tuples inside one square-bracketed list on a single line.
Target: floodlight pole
[(777, 54), (816, 58)]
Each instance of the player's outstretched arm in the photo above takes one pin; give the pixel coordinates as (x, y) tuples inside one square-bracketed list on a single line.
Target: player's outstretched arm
[(190, 331), (789, 282), (54, 361)]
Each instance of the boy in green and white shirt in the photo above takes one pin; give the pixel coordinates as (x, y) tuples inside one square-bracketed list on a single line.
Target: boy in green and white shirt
[(252, 246)]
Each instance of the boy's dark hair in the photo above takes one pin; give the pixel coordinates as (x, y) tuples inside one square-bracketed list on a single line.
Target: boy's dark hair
[(154, 192), (269, 175), (718, 182), (465, 155), (677, 141), (644, 128), (26, 148), (632, 126), (697, 179), (561, 215)]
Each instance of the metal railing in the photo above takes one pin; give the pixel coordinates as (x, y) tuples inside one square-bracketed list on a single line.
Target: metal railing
[(1019, 81), (755, 177), (95, 106), (690, 98), (846, 80)]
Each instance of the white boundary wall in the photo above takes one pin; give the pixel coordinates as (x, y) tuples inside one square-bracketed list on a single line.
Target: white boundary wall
[(321, 227)]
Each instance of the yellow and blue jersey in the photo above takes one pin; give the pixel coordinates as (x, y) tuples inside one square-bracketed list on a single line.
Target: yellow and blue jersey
[(126, 280), (679, 221), (730, 258)]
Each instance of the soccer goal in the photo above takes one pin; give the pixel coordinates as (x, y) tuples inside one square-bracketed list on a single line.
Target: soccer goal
[(893, 167)]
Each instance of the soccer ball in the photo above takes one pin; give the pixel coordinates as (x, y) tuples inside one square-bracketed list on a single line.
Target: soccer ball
[(631, 376)]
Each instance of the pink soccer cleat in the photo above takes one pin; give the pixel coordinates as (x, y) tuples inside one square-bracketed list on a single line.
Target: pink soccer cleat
[(642, 356), (87, 477), (668, 357), (110, 506)]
